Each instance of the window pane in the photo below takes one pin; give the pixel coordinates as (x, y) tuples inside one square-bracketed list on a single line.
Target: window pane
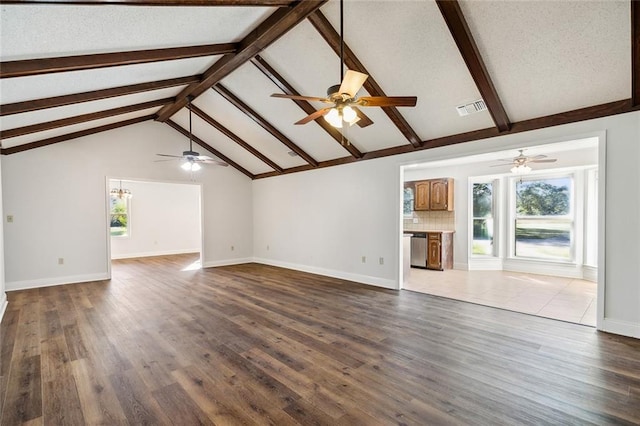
[(543, 197), (482, 199), (407, 206), (119, 217), (482, 236), (482, 219), (543, 238)]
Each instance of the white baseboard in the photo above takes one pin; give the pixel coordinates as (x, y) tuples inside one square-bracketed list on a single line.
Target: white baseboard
[(590, 273), (460, 266), (543, 268), (362, 279), (153, 253), (48, 282), (3, 304), (226, 262), (485, 264), (624, 328)]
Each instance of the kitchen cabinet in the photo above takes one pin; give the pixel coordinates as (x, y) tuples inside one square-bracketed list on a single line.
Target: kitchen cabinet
[(421, 195), (433, 195), (439, 250), (441, 195)]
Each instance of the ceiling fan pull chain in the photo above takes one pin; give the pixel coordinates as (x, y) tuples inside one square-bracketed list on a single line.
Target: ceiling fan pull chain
[(190, 130)]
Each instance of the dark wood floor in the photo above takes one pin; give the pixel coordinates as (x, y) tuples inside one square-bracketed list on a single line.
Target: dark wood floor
[(253, 344)]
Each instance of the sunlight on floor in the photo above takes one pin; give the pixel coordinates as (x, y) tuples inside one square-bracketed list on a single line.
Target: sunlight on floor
[(565, 299), (193, 267)]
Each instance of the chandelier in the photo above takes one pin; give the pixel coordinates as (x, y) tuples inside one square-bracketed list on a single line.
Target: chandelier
[(120, 193)]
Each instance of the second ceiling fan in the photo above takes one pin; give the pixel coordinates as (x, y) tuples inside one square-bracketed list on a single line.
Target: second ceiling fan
[(344, 96)]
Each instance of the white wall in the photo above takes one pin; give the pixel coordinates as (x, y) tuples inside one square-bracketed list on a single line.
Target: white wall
[(164, 218), (3, 296), (325, 220), (57, 196)]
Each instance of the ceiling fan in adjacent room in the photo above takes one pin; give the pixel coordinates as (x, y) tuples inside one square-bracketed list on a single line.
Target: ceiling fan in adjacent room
[(520, 163), (343, 97), (192, 159)]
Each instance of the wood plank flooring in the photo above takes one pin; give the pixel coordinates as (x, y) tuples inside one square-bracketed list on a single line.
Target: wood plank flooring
[(253, 344)]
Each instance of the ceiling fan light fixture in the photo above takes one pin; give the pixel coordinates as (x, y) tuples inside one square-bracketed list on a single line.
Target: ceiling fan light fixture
[(520, 169), (334, 118), (190, 166), (349, 115)]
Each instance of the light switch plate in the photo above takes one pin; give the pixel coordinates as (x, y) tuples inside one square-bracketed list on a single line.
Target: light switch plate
[(9, 218)]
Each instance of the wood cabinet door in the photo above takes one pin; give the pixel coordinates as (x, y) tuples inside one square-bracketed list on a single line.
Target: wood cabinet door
[(439, 194), (421, 196), (434, 253)]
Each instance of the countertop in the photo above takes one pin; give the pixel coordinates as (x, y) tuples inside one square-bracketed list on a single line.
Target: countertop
[(426, 231)]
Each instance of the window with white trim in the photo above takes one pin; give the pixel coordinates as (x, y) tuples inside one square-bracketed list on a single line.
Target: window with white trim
[(120, 214), (483, 218), (544, 218)]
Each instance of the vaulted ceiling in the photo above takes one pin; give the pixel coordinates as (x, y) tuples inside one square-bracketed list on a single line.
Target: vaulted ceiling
[(71, 68)]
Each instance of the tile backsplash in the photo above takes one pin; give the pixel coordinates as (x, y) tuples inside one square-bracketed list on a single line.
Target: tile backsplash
[(428, 220)]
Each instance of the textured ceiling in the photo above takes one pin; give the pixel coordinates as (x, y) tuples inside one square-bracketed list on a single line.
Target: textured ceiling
[(542, 60)]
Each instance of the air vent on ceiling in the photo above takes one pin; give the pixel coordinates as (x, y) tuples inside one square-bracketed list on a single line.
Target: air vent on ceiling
[(293, 154), (471, 108)]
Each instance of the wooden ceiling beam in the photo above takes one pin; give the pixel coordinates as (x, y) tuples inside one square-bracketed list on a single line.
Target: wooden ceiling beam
[(74, 135), (243, 3), (237, 139), (330, 35), (29, 67), (635, 52), (452, 14), (272, 28), (94, 95), (247, 110), (83, 118), (589, 113), (209, 148), (285, 87)]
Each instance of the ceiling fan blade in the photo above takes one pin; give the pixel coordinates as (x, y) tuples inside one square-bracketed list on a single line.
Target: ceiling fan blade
[(167, 155), (352, 82), (537, 157), (161, 161), (203, 158), (387, 101), (300, 97), (549, 160), (364, 120), (500, 165), (319, 113)]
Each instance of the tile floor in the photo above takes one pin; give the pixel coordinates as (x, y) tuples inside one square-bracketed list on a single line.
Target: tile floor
[(565, 299)]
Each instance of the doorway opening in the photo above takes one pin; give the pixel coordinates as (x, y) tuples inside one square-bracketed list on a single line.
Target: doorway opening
[(509, 252), (154, 218)]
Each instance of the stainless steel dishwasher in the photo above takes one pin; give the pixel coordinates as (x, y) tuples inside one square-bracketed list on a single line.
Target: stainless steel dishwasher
[(419, 250)]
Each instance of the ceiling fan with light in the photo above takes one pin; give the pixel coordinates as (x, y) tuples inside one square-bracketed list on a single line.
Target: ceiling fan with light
[(345, 108), (520, 163), (192, 159)]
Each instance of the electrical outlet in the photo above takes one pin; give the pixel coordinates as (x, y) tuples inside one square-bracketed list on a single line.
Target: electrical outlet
[(381, 260), (9, 218), (232, 248), (415, 220), (61, 261), (364, 259)]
